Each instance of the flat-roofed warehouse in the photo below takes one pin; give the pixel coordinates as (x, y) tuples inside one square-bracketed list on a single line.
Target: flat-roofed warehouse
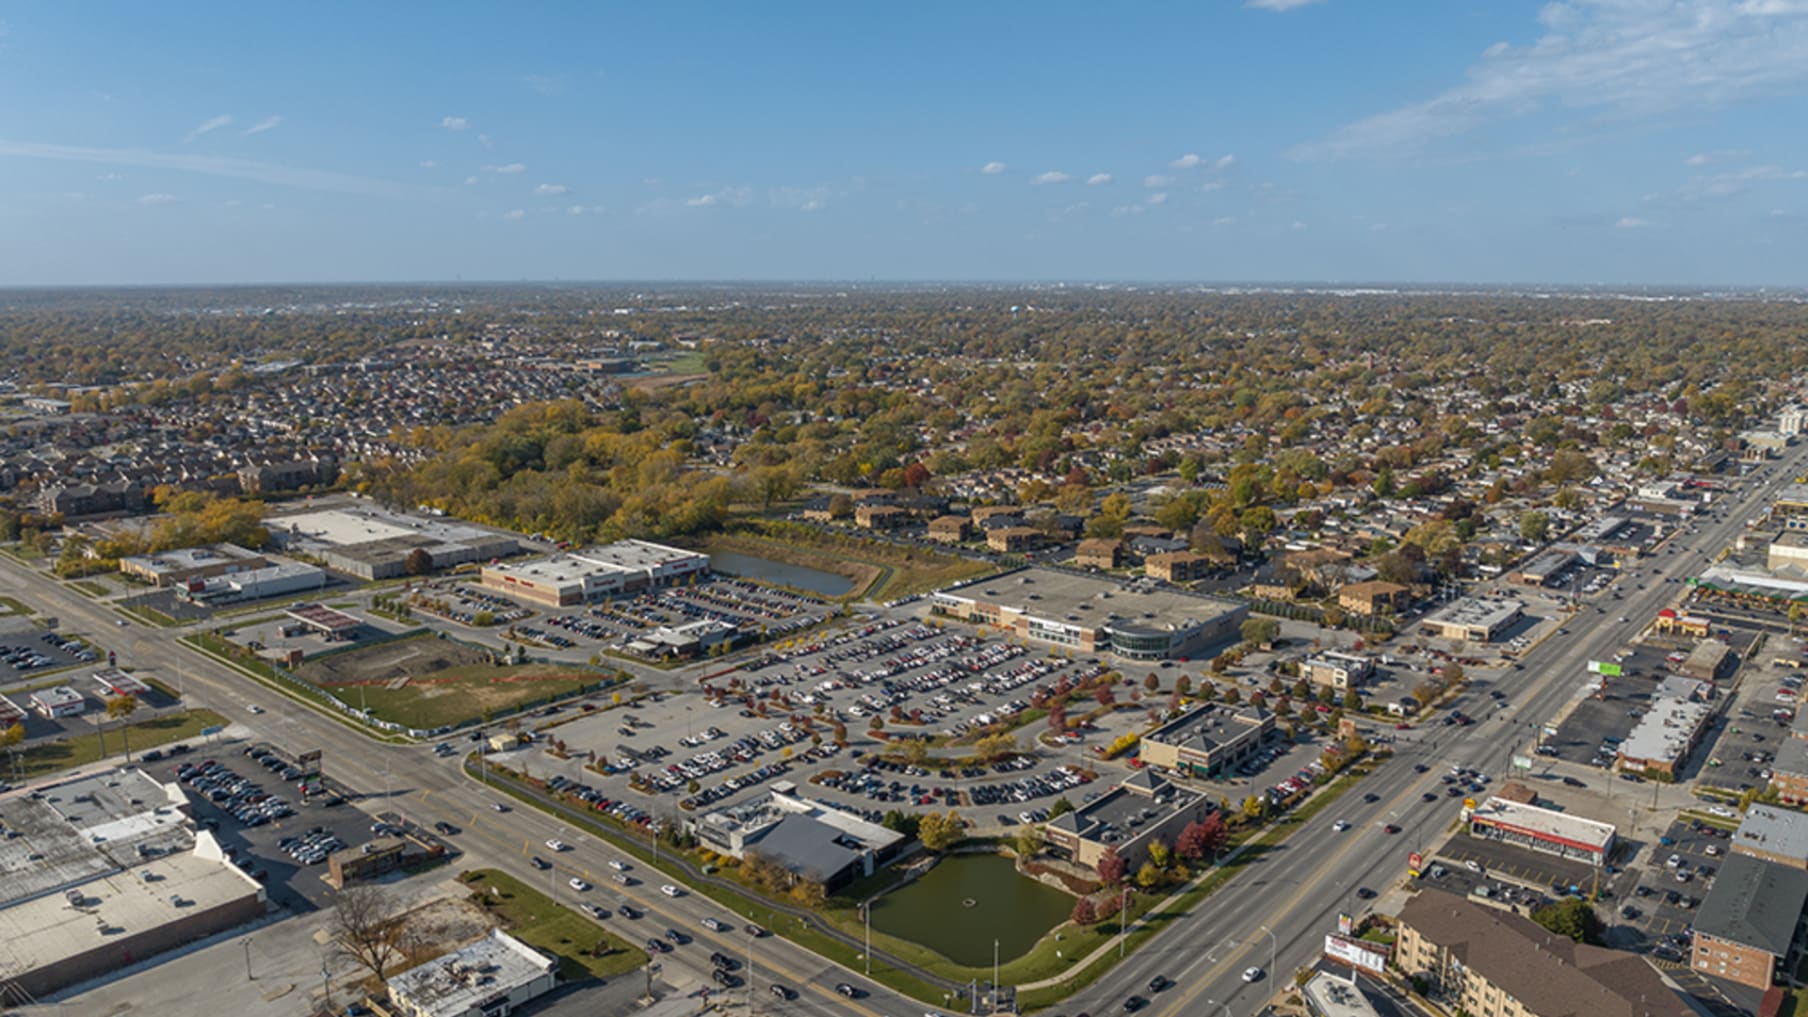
[(374, 543), (1095, 614), (1477, 619), (102, 870), (597, 573), (491, 977)]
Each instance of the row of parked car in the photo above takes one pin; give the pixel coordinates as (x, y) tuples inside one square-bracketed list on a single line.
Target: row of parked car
[(236, 795), (590, 796), (713, 794), (312, 847)]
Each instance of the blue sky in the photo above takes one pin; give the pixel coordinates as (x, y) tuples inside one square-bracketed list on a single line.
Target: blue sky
[(1487, 141)]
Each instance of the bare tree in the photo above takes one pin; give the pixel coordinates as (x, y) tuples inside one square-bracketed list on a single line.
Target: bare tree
[(366, 928)]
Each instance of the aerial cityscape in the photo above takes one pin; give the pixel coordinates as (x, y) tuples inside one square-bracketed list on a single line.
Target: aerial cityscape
[(1289, 508)]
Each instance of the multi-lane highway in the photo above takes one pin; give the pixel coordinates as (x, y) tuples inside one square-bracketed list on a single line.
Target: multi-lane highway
[(1272, 916)]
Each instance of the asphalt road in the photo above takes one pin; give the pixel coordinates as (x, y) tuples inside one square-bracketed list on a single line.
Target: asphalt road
[(1273, 916), (1296, 893)]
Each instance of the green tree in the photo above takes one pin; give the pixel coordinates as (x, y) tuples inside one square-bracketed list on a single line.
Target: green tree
[(1030, 840), (1256, 631), (1572, 917), (1534, 526), (1061, 807)]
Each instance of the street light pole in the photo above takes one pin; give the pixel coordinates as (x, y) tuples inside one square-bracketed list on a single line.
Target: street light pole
[(1274, 951), (249, 977), (866, 918), (994, 976)]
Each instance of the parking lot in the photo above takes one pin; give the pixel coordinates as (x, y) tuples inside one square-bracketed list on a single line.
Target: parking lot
[(28, 652), (258, 813), (617, 623), (777, 716), (1671, 880)]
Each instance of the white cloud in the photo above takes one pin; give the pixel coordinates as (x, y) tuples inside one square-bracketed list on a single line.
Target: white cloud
[(1122, 210), (109, 177), (1627, 58), (547, 84), (156, 199), (1212, 185), (488, 143), (470, 180), (728, 196), (803, 199), (268, 123), (507, 168), (551, 190), (207, 165), (1051, 177), (210, 124), (1699, 159), (1157, 180), (454, 123), (1280, 5), (575, 210), (429, 164), (1298, 226), (1187, 161), (1098, 179), (1725, 185), (1224, 162), (1224, 220), (992, 168), (1631, 223), (514, 215), (1158, 198)]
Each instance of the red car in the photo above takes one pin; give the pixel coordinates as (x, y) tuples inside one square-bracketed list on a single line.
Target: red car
[(1390, 828)]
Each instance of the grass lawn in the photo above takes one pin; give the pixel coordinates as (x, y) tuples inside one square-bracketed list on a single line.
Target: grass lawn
[(148, 615), (90, 588), (50, 757), (13, 606), (540, 922), (880, 571), (460, 694)]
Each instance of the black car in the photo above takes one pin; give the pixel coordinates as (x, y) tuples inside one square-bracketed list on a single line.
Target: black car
[(847, 990), (539, 863), (1371, 798), (658, 946), (1134, 1003), (1364, 893), (445, 828), (628, 911), (1158, 983), (1428, 797), (677, 937), (782, 992)]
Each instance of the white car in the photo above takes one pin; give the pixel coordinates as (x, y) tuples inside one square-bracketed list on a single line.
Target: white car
[(1252, 974), (254, 708), (671, 891), (556, 844), (578, 884), (1340, 826), (618, 865)]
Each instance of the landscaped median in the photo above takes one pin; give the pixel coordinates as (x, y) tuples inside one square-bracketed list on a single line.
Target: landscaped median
[(584, 948)]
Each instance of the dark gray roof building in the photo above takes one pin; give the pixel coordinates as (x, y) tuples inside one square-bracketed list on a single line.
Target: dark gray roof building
[(1754, 903)]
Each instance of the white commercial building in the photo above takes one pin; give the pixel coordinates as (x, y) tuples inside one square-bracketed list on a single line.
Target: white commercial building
[(492, 977), (257, 584), (58, 701), (593, 574)]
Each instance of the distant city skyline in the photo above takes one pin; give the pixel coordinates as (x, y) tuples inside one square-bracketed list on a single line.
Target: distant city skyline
[(1589, 142)]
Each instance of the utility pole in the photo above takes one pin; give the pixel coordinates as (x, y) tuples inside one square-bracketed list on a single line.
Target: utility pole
[(1274, 951), (994, 976), (249, 977), (866, 918)]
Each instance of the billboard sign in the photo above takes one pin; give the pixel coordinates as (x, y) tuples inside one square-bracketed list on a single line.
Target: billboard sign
[(1414, 862), (1357, 953), (309, 761), (1522, 763), (1345, 924), (1607, 668)]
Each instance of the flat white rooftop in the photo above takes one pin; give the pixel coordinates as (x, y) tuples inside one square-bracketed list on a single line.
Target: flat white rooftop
[(347, 526), (115, 905), (1545, 823)]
